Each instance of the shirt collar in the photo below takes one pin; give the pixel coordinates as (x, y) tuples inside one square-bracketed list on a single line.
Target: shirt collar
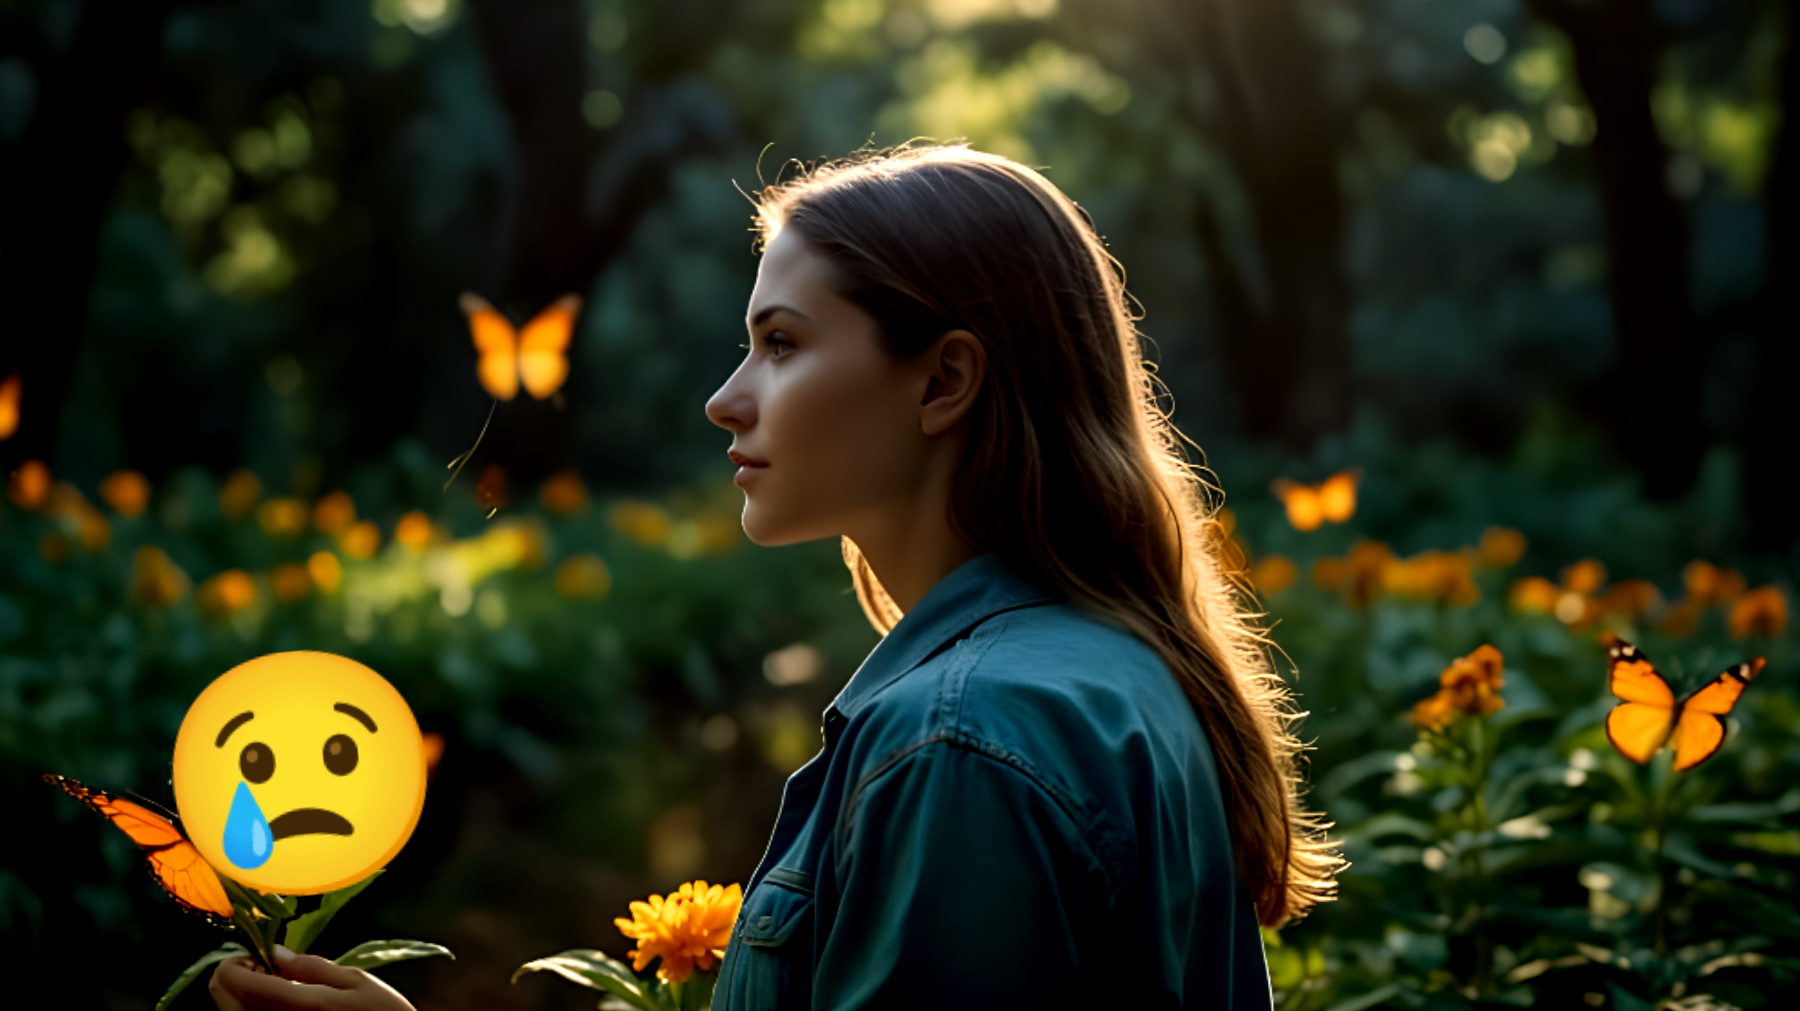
[(974, 591)]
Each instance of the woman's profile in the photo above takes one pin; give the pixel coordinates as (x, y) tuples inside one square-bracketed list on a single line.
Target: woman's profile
[(1065, 776)]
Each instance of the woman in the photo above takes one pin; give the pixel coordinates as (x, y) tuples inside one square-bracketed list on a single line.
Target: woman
[(1064, 778)]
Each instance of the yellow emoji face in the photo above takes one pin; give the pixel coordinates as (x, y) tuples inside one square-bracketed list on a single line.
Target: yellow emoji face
[(299, 773)]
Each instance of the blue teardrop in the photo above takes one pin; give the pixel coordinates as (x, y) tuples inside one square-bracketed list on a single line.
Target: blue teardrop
[(247, 840)]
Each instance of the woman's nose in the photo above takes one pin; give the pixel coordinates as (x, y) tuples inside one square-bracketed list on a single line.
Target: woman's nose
[(732, 407)]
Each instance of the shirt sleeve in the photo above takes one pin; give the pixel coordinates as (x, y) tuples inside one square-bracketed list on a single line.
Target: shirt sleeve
[(964, 884)]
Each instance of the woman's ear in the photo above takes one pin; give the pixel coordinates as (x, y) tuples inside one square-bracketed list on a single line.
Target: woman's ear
[(956, 365)]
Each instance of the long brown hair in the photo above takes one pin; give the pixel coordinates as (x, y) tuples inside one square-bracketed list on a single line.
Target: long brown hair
[(1072, 472)]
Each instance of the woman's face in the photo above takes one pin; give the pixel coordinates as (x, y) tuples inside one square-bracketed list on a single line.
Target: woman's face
[(828, 419)]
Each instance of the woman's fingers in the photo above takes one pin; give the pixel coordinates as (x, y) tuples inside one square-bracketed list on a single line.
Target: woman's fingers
[(225, 986), (313, 969)]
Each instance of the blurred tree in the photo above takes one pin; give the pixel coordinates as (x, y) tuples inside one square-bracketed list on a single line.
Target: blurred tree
[(58, 181), (1247, 77), (1773, 430), (1651, 404)]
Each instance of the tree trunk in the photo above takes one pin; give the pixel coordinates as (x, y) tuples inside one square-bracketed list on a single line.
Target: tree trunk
[(58, 181), (1772, 440), (1288, 350), (1651, 402)]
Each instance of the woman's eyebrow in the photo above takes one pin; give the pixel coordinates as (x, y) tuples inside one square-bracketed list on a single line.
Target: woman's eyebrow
[(764, 313)]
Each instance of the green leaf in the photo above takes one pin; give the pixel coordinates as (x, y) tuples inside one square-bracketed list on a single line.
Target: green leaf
[(230, 949), (304, 930), (249, 898), (1786, 804), (375, 954), (290, 904), (595, 969)]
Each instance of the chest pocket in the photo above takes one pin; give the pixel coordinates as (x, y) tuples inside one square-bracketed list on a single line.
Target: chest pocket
[(776, 944)]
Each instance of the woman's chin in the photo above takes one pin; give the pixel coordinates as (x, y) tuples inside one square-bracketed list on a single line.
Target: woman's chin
[(766, 531)]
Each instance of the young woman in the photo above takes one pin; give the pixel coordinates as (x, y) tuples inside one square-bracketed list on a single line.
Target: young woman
[(1064, 778)]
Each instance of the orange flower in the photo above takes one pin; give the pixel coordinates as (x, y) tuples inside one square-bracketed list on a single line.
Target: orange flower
[(127, 491), (1501, 547), (1473, 682), (565, 494), (241, 493), (1434, 713), (1433, 575), (1584, 576), (326, 571), (1470, 685), (226, 593), (688, 931), (290, 582), (1762, 611), (1329, 573), (1634, 597), (156, 581), (1533, 593), (1708, 584), (414, 531), (1681, 619), (334, 513), (29, 485), (282, 517), (1273, 574), (1366, 563), (583, 577), (642, 523), (360, 539)]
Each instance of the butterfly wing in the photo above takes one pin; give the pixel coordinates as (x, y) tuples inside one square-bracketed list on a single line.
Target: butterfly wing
[(1641, 724), (498, 366), (174, 861), (544, 346), (1337, 496), (1304, 510), (1701, 727), (12, 389)]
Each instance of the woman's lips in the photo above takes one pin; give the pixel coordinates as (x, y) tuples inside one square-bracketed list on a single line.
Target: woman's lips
[(746, 466)]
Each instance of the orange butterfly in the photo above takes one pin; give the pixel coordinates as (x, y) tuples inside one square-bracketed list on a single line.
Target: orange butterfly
[(536, 355), (177, 865), (12, 390), (1333, 499), (1651, 718)]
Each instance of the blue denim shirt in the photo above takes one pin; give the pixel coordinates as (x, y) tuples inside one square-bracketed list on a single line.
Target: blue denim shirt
[(1015, 807)]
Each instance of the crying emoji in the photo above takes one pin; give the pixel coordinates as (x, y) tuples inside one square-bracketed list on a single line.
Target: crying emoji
[(299, 773)]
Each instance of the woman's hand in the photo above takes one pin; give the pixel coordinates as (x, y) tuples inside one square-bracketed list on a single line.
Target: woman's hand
[(306, 983)]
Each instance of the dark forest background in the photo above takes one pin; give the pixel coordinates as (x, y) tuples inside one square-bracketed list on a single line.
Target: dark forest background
[(1525, 263)]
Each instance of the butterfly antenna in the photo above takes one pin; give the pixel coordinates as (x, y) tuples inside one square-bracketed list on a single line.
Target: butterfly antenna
[(456, 466)]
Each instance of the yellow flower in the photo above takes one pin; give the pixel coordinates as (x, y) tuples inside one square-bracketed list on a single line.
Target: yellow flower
[(565, 494), (127, 491), (689, 930), (1762, 611), (282, 517), (583, 577), (642, 523)]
